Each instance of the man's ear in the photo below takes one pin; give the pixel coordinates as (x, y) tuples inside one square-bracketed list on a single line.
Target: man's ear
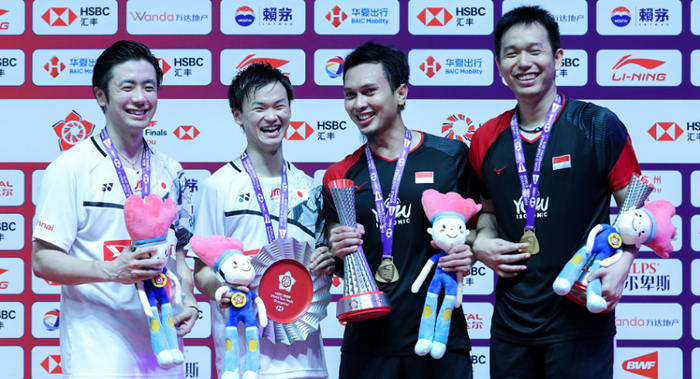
[(100, 96), (237, 116), (401, 94)]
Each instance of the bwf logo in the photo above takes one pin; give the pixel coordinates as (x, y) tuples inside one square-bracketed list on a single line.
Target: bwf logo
[(646, 365)]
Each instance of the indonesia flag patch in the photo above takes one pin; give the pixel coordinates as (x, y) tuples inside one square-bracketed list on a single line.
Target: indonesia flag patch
[(561, 162), (424, 177)]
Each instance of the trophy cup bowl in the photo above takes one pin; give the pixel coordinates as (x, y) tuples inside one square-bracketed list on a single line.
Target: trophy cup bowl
[(637, 194), (361, 300)]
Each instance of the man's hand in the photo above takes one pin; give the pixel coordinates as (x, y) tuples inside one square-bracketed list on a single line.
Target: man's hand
[(322, 261), (459, 259), (134, 266), (612, 279), (185, 320), (495, 254), (344, 240)]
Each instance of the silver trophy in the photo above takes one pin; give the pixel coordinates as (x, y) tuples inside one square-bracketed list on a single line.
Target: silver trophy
[(637, 194), (361, 299)]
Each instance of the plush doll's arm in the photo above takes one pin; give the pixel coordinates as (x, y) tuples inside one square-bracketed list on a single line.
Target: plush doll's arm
[(221, 292), (591, 238), (177, 295), (460, 288), (609, 261), (262, 311), (421, 277), (144, 299)]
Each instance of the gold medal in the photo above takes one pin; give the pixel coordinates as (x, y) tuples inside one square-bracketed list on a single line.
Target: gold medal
[(387, 272), (531, 240)]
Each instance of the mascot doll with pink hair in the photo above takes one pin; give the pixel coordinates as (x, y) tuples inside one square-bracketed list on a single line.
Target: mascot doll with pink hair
[(147, 221), (225, 256), (650, 225), (448, 213)]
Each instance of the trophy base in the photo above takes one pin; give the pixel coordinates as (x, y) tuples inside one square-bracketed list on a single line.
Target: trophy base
[(363, 306), (578, 295)]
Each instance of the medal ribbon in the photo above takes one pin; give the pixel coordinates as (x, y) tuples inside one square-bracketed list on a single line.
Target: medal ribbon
[(284, 199), (123, 180), (386, 220), (530, 191)]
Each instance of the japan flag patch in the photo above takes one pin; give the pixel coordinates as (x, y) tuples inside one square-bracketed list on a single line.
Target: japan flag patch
[(561, 162)]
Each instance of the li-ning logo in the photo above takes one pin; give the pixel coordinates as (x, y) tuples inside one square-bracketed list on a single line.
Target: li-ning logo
[(449, 126), (164, 66), (435, 16), (430, 67), (336, 16), (59, 16), (54, 66), (72, 130), (646, 63), (665, 131), (186, 132), (275, 63), (299, 131)]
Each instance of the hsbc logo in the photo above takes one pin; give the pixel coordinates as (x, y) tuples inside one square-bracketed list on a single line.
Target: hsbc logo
[(435, 16), (54, 66), (186, 132), (52, 364), (459, 127), (72, 130), (299, 131), (336, 16), (59, 16), (164, 66), (645, 365), (665, 131), (430, 67), (112, 249)]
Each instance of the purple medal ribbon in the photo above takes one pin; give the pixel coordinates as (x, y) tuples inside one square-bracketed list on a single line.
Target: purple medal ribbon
[(123, 180), (386, 220), (284, 199), (531, 191)]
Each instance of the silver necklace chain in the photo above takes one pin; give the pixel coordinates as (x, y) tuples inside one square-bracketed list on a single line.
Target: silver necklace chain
[(132, 164)]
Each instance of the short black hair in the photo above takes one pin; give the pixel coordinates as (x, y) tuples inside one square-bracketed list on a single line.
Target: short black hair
[(393, 62), (121, 52), (527, 15), (252, 78)]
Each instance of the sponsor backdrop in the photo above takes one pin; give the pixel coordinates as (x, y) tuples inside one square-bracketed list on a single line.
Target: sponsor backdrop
[(635, 57)]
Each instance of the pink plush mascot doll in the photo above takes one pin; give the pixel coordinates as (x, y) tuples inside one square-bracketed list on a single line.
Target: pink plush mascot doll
[(650, 225), (147, 223), (225, 256), (448, 213)]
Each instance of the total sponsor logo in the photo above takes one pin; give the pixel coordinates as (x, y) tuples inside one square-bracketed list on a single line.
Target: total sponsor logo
[(329, 66), (460, 128), (478, 320), (52, 320), (665, 131), (334, 67), (11, 188), (638, 68), (72, 130)]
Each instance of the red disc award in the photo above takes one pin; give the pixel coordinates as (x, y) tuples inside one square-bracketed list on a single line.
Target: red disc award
[(296, 299)]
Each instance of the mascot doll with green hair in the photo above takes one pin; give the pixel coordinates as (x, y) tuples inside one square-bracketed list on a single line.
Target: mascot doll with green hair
[(448, 213)]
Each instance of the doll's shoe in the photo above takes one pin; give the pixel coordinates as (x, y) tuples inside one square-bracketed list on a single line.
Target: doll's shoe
[(165, 359), (178, 358), (250, 375), (561, 286), (596, 303), (423, 347), (438, 350), (230, 375)]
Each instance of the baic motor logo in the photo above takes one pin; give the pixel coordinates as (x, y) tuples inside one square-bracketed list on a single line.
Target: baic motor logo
[(336, 16), (665, 131), (430, 67), (435, 16), (59, 16), (72, 130), (54, 66)]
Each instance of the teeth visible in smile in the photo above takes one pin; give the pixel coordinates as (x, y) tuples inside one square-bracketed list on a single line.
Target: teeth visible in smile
[(137, 112), (527, 76), (365, 116), (270, 129)]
